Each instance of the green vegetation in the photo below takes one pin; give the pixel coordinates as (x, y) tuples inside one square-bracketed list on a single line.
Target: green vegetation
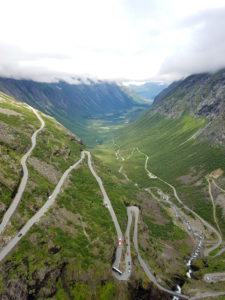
[(17, 123), (83, 197), (169, 157), (59, 241), (77, 234), (68, 253), (85, 109), (210, 265), (214, 252), (169, 231), (56, 145), (183, 249), (181, 163), (106, 291), (220, 217), (103, 127), (56, 148)]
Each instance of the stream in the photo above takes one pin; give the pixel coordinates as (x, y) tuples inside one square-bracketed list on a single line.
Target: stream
[(194, 256), (196, 235)]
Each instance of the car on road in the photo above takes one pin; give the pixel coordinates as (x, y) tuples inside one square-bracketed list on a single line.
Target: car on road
[(129, 270), (120, 241), (20, 234), (128, 253), (129, 263)]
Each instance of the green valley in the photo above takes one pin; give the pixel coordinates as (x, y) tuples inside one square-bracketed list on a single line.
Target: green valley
[(182, 152), (112, 150), (160, 165), (59, 254)]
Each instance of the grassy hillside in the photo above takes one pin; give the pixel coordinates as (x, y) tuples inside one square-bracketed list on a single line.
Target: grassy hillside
[(68, 253), (181, 161), (89, 109), (171, 158)]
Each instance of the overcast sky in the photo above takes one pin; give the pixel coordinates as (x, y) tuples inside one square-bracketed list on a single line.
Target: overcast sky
[(111, 39)]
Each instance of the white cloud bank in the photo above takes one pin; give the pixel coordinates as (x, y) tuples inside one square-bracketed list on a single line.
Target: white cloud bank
[(127, 39), (205, 52)]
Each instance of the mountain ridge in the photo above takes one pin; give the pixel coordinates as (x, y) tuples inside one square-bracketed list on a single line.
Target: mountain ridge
[(73, 105), (200, 96), (181, 137), (154, 163)]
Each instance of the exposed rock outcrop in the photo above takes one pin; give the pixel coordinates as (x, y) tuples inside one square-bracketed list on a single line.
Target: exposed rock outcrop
[(200, 95)]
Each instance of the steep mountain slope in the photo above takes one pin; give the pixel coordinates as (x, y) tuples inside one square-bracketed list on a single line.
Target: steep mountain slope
[(77, 106), (68, 253), (182, 138), (152, 165), (199, 95)]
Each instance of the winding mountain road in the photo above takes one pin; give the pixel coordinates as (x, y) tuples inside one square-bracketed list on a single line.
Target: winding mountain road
[(110, 208), (151, 277), (222, 190), (125, 275), (17, 198), (131, 211), (214, 207), (219, 238), (14, 241)]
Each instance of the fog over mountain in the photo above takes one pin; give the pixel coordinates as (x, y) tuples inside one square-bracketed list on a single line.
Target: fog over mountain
[(112, 149), (120, 39), (205, 52)]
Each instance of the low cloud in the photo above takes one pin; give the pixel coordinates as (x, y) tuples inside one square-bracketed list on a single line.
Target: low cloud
[(18, 64), (205, 51), (130, 39)]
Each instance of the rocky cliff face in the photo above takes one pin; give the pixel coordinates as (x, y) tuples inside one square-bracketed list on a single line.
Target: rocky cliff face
[(201, 95)]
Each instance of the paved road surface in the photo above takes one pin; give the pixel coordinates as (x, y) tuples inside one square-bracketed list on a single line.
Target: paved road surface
[(110, 208), (222, 190), (5, 251), (219, 238), (132, 209), (206, 251), (213, 204), (23, 182), (151, 277), (148, 273), (214, 277)]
